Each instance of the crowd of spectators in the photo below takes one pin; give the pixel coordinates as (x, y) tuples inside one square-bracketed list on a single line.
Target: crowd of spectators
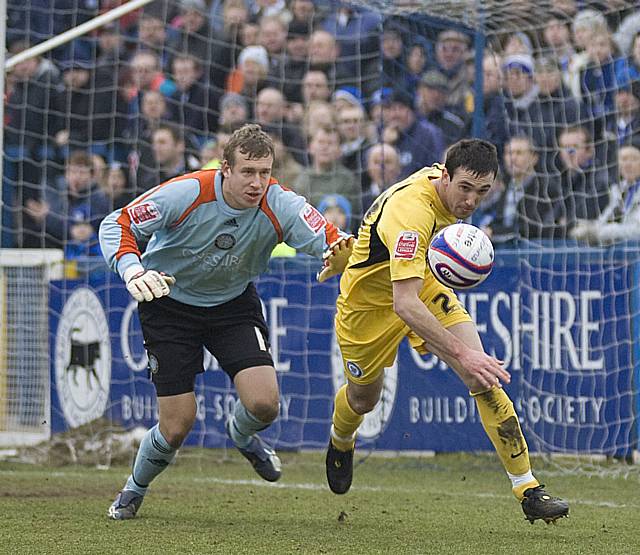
[(355, 100)]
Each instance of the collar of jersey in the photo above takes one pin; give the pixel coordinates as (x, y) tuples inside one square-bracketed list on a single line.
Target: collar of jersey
[(224, 207), (435, 172)]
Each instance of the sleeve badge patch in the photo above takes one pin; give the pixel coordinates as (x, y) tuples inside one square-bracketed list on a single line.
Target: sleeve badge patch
[(314, 220), (406, 245), (143, 213)]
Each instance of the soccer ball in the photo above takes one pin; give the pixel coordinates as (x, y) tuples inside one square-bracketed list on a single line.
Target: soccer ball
[(460, 256)]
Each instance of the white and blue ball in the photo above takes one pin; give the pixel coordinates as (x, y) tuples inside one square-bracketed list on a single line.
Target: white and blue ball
[(460, 256)]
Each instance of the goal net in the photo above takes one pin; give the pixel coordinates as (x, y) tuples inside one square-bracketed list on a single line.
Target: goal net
[(555, 85), (24, 343)]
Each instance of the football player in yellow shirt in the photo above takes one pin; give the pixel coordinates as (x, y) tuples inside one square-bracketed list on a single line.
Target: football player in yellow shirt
[(388, 292)]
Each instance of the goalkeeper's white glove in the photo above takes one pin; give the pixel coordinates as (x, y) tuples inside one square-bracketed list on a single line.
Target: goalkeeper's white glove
[(336, 258), (146, 285)]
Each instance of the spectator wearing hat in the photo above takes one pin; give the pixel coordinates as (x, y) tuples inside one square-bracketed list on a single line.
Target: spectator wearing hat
[(337, 210), (234, 112), (327, 175), (432, 98), (451, 51), (419, 142), (346, 97), (251, 74)]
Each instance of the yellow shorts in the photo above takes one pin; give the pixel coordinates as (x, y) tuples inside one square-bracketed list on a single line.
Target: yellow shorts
[(369, 339)]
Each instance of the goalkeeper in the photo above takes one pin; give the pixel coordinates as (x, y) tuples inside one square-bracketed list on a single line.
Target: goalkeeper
[(387, 292), (210, 235)]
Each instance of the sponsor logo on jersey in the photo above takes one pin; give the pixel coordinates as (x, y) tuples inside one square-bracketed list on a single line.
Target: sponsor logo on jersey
[(314, 220), (406, 245), (83, 358), (224, 241), (145, 212)]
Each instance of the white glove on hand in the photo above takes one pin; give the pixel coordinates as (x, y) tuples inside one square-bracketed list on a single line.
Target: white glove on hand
[(146, 285), (336, 258)]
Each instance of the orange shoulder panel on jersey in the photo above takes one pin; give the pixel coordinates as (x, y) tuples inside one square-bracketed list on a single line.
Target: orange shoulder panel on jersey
[(207, 194), (127, 239), (264, 206), (274, 181)]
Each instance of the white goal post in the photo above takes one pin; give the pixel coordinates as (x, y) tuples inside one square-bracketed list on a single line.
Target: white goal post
[(24, 343)]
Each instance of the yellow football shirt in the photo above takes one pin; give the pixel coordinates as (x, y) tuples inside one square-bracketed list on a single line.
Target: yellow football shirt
[(393, 240)]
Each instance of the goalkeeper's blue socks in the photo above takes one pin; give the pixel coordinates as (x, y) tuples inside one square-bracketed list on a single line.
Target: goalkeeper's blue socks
[(154, 455), (243, 425)]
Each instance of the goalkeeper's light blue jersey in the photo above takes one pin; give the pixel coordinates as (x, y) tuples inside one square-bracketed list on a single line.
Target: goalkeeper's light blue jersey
[(212, 250)]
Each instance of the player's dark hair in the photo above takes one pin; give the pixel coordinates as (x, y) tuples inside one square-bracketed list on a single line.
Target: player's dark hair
[(475, 155), (250, 140)]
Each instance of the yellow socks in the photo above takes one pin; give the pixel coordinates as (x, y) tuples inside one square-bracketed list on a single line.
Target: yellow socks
[(501, 424), (345, 422)]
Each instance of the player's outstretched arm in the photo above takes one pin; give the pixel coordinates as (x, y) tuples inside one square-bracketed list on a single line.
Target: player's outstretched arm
[(336, 258), (407, 304), (146, 285)]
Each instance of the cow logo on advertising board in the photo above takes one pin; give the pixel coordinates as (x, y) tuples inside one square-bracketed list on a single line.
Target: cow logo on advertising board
[(82, 358)]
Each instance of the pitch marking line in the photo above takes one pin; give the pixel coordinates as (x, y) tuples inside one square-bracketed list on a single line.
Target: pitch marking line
[(321, 487)]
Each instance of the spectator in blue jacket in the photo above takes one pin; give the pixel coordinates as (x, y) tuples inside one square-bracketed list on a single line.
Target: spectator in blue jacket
[(418, 142), (73, 207)]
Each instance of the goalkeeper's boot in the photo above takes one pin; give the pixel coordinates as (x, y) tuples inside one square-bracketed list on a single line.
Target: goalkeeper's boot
[(263, 459), (339, 469), (126, 505), (537, 504)]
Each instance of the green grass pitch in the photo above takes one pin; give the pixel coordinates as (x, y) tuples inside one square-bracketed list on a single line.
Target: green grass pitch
[(212, 502)]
